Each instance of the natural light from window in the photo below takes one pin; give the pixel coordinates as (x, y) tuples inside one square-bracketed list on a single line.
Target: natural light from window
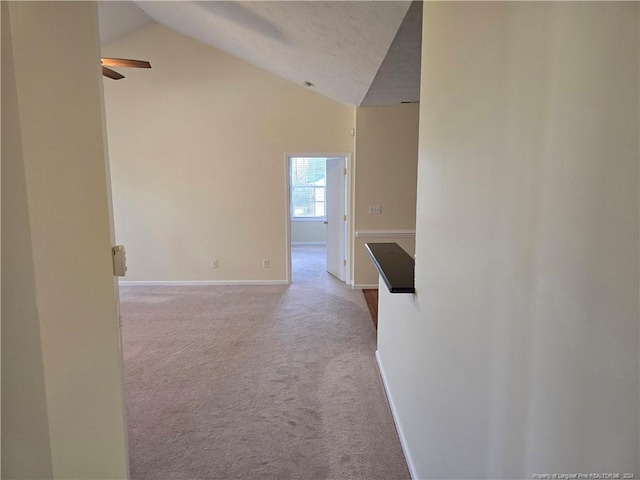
[(308, 186)]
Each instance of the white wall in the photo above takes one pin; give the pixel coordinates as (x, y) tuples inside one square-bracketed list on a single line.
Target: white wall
[(385, 175), (197, 147), (308, 231), (62, 399), (519, 352)]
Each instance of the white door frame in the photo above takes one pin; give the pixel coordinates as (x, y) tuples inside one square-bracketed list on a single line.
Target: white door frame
[(287, 208)]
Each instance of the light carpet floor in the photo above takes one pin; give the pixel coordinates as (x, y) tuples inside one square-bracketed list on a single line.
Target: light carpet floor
[(274, 382)]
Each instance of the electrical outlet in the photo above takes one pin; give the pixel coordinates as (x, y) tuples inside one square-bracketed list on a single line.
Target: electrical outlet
[(375, 209), (265, 263), (214, 263)]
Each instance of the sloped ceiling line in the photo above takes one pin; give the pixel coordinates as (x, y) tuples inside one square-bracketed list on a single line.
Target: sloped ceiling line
[(339, 46)]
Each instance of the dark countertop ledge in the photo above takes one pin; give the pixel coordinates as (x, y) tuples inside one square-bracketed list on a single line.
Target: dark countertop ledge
[(396, 266)]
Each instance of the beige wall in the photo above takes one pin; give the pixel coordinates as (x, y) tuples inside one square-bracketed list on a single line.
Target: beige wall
[(519, 352), (26, 450), (197, 147), (385, 175), (62, 399)]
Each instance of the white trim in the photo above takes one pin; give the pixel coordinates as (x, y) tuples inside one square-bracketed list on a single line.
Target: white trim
[(362, 286), (396, 419), (386, 234), (309, 219), (197, 283), (308, 243), (317, 155), (351, 205), (287, 223)]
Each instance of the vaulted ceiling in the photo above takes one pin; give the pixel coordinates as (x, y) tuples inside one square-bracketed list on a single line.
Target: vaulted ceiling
[(355, 52)]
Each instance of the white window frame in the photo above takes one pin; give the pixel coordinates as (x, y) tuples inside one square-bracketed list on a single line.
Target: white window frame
[(292, 187)]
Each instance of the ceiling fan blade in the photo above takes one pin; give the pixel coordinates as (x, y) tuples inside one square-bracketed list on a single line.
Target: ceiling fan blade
[(125, 62), (107, 72)]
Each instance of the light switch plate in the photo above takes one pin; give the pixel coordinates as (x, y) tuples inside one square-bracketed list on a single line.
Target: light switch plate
[(119, 258), (375, 209)]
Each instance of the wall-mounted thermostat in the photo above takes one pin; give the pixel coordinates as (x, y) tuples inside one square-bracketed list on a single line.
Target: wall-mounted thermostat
[(119, 257)]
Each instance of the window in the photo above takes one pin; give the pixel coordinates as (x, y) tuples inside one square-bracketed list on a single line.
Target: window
[(308, 185)]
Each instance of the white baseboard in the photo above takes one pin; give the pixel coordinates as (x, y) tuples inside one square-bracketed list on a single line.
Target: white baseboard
[(362, 286), (308, 243), (396, 419), (199, 283)]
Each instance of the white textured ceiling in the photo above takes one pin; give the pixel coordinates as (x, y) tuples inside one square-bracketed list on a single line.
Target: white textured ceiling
[(398, 78), (338, 46), (119, 19)]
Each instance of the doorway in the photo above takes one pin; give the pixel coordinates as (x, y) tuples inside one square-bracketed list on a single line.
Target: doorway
[(318, 210)]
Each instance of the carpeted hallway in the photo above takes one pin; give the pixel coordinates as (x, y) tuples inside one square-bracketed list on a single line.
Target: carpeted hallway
[(256, 382)]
